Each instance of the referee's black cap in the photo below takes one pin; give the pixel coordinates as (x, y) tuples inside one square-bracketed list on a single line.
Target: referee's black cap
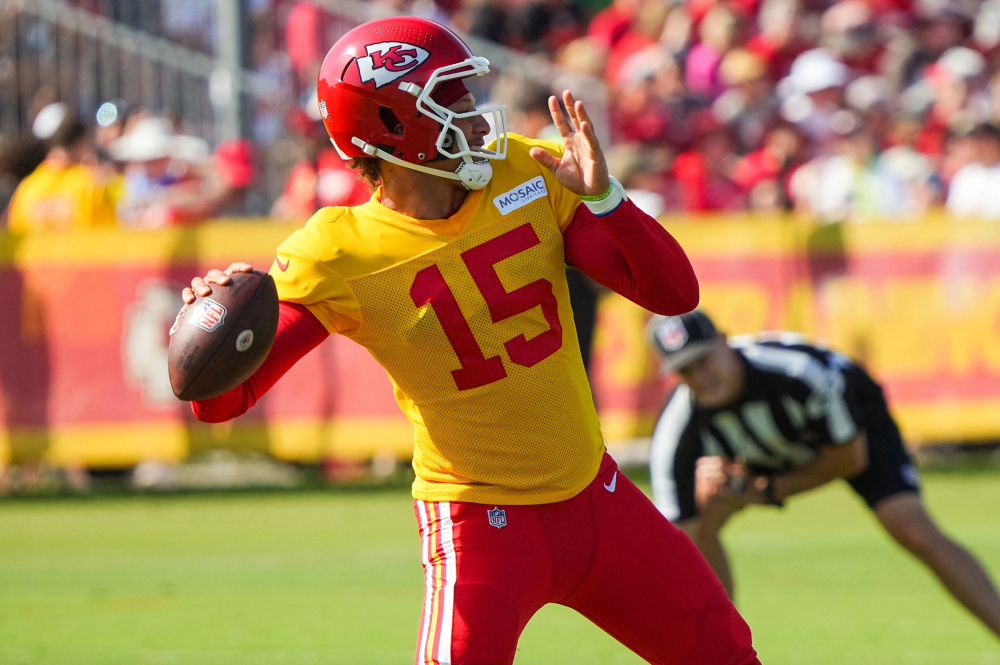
[(682, 339)]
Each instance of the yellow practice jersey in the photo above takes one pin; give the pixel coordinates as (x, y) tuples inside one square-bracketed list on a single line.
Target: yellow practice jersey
[(61, 199), (470, 316)]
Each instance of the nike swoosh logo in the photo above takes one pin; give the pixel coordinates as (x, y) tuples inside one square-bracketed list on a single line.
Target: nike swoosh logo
[(614, 481), (282, 267)]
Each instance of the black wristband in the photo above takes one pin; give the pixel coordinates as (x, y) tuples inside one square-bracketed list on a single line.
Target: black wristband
[(768, 492)]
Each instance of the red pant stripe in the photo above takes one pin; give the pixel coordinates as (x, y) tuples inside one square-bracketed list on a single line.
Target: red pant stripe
[(440, 573)]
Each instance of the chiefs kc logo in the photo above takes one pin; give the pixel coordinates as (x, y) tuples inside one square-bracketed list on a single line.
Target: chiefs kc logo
[(387, 61)]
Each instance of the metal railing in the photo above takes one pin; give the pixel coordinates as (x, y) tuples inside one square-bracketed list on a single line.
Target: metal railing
[(86, 58), (531, 68), (53, 51), (49, 49)]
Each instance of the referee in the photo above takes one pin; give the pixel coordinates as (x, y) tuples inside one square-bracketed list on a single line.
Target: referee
[(756, 420)]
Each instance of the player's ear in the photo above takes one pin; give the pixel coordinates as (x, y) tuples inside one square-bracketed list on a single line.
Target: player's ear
[(721, 338)]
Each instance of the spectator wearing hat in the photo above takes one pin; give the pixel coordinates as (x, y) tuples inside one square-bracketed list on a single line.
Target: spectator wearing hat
[(63, 193), (164, 181), (814, 93)]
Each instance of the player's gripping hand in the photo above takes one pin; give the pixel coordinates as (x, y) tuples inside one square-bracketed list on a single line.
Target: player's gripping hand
[(201, 286), (582, 169)]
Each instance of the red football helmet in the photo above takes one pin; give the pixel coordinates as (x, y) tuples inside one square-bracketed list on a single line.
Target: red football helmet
[(377, 97)]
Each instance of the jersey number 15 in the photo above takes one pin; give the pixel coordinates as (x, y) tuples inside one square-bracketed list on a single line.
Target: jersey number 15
[(477, 370)]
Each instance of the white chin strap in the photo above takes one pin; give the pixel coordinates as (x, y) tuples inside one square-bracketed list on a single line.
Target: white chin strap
[(472, 174)]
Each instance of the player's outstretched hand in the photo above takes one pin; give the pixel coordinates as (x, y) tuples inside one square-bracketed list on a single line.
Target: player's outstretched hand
[(200, 286), (582, 169)]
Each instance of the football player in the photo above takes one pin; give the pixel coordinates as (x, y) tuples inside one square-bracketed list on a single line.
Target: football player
[(757, 420), (452, 276)]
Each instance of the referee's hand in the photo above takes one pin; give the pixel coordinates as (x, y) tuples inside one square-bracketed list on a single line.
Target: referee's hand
[(718, 487)]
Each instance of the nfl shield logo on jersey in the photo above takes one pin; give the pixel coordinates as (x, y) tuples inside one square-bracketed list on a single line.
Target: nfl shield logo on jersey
[(498, 517)]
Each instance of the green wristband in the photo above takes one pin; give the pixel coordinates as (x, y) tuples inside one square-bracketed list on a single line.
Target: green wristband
[(600, 197)]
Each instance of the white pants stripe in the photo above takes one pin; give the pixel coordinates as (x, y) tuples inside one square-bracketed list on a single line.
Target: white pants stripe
[(440, 574)]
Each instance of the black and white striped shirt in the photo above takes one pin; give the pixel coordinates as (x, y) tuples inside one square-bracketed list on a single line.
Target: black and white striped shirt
[(797, 399)]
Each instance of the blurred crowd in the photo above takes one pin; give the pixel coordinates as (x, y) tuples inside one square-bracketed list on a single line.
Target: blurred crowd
[(850, 110), (845, 110), (129, 167)]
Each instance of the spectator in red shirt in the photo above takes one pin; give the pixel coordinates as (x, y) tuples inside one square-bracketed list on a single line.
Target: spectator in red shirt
[(612, 23), (650, 107), (318, 180), (702, 173), (764, 173), (646, 29), (778, 41)]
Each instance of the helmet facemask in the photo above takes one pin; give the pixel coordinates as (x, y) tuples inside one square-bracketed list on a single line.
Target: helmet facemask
[(475, 169), (474, 66)]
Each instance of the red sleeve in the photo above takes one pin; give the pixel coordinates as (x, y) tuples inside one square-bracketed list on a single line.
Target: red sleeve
[(633, 255), (299, 332)]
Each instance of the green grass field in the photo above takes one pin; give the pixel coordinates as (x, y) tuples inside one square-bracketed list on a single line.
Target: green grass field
[(334, 577)]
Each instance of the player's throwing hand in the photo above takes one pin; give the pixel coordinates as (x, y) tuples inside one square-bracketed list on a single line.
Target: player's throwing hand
[(582, 169)]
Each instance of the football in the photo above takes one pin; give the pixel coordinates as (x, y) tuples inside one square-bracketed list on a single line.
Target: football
[(218, 342)]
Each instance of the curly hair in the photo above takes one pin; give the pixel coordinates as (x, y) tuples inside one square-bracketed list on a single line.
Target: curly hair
[(369, 170)]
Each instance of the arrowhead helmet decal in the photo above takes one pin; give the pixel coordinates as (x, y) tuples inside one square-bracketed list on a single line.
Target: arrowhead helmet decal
[(388, 61)]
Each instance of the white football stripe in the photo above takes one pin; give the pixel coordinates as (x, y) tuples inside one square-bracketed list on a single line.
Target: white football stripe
[(425, 629), (451, 575)]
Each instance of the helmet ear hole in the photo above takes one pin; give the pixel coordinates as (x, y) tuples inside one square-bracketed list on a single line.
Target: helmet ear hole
[(390, 120), (448, 140)]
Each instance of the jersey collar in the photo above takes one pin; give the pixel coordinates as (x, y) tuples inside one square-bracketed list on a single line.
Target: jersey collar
[(451, 227)]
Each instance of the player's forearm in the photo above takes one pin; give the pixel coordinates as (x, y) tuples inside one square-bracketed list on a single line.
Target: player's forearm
[(299, 332), (834, 462), (662, 271), (631, 253)]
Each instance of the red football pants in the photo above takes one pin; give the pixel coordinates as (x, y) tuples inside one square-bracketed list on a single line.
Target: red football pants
[(608, 553)]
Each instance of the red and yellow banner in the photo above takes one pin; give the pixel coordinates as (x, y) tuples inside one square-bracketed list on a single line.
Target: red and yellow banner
[(917, 303), (83, 353)]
